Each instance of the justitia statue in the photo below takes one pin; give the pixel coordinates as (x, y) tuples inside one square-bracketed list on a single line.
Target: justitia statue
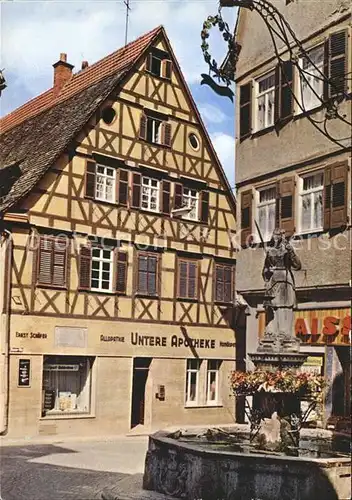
[(280, 294)]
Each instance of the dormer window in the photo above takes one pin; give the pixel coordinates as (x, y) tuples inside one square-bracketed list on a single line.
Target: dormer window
[(159, 64)]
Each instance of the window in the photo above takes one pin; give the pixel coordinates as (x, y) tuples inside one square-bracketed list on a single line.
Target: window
[(192, 381), (105, 183), (194, 142), (102, 265), (224, 286), (265, 101), (155, 65), (108, 115), (213, 368), (150, 194), (66, 385), (147, 274), (311, 202), (158, 64), (266, 209), (190, 200), (312, 79), (52, 261), (187, 279), (153, 130)]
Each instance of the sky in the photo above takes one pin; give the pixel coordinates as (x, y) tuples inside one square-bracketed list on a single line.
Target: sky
[(34, 33)]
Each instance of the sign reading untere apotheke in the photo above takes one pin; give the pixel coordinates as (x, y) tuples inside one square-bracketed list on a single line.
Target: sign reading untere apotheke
[(138, 339)]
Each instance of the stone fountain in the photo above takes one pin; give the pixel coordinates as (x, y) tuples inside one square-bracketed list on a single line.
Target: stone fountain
[(274, 458)]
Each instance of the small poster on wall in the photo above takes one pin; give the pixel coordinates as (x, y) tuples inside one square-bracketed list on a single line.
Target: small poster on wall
[(24, 372)]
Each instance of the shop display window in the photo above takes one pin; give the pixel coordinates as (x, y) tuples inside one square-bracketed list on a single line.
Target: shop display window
[(66, 385)]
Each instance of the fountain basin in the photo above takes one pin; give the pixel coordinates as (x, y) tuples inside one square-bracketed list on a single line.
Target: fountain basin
[(189, 470)]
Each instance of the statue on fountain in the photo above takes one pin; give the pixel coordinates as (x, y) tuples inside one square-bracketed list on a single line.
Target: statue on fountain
[(280, 295)]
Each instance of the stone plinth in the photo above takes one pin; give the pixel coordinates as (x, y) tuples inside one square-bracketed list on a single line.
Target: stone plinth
[(271, 361)]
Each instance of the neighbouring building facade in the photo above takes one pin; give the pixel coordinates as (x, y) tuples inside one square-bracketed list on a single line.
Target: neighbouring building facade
[(116, 260), (288, 174)]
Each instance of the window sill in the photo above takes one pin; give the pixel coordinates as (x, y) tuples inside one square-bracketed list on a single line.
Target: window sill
[(52, 287), (146, 295), (99, 292), (224, 304), (155, 144), (187, 299), (62, 416), (262, 131), (310, 232), (216, 405), (302, 114)]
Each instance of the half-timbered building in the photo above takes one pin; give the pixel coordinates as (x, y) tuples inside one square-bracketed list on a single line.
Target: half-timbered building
[(117, 264)]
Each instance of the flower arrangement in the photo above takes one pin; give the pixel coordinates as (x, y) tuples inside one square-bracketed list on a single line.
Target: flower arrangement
[(304, 385)]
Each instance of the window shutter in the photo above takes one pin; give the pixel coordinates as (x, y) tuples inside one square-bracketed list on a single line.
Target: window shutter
[(59, 262), (90, 179), (166, 187), (136, 190), (246, 217), (182, 279), (148, 62), (122, 190), (286, 99), (85, 264), (227, 284), (192, 280), (166, 134), (219, 283), (287, 193), (204, 207), (45, 265), (166, 69), (245, 110), (121, 271), (178, 196), (338, 214), (337, 63), (327, 198), (143, 127), (187, 279), (152, 274)]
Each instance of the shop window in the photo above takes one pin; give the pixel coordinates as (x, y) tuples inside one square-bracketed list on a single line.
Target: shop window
[(187, 279), (265, 101), (311, 202), (266, 210), (147, 276), (312, 78), (66, 385), (192, 382), (213, 388), (224, 283)]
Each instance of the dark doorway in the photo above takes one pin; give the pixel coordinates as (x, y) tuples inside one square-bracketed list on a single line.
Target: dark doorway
[(140, 376)]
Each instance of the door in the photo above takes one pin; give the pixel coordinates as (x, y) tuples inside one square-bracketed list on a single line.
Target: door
[(140, 376)]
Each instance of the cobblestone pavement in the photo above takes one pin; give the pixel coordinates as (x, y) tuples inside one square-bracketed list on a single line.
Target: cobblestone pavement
[(75, 471)]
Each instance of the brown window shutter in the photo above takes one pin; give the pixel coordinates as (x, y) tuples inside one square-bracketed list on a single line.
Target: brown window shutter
[(286, 91), (182, 279), (227, 284), (45, 261), (166, 187), (122, 187), (178, 196), (338, 215), (143, 127), (204, 207), (166, 69), (192, 281), (136, 190), (219, 283), (59, 272), (148, 62), (90, 179), (246, 217), (121, 271), (337, 63), (187, 279), (85, 265), (245, 110), (166, 134), (287, 194), (327, 198)]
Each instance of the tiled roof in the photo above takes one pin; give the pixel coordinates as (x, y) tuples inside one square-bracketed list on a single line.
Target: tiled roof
[(115, 62)]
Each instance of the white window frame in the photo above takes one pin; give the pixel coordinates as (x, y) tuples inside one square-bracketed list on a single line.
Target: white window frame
[(156, 132), (86, 392), (311, 191), (299, 81), (104, 175), (259, 204), (216, 370), (149, 187), (187, 198), (266, 94), (102, 260), (189, 372)]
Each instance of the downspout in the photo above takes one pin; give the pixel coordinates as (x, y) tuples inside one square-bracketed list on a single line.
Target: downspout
[(6, 244)]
